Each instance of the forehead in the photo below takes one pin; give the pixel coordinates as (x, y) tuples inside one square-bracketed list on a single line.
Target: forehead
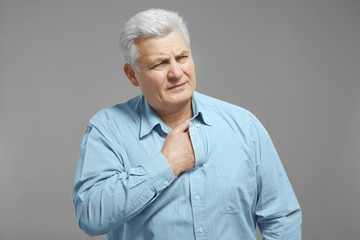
[(172, 43)]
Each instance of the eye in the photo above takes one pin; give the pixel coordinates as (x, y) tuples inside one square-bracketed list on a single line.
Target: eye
[(182, 59), (159, 65)]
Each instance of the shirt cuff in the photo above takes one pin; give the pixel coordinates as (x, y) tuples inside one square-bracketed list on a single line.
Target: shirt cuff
[(159, 172)]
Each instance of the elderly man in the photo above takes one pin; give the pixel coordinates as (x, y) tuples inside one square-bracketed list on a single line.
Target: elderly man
[(173, 163)]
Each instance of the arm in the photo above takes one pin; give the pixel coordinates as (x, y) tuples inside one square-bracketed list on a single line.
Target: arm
[(277, 211), (105, 195)]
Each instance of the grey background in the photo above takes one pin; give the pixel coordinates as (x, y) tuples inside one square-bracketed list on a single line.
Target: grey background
[(294, 64)]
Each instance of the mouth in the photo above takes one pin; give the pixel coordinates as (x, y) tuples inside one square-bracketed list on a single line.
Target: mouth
[(177, 86)]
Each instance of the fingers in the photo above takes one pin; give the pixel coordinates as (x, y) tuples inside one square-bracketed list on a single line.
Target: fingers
[(183, 127)]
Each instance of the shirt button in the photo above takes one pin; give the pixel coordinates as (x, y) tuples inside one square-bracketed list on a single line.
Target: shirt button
[(166, 182), (200, 229), (197, 125), (197, 197)]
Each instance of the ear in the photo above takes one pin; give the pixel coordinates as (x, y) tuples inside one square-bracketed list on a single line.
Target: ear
[(130, 73)]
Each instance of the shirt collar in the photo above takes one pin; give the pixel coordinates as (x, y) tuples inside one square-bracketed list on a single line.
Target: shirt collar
[(200, 110), (150, 120)]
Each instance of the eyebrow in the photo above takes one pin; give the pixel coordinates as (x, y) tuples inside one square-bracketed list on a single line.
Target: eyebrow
[(184, 52), (160, 59)]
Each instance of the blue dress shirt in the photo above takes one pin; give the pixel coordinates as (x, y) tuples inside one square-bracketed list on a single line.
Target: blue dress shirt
[(125, 188)]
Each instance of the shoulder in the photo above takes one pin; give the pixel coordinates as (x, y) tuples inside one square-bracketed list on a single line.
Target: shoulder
[(223, 109), (122, 112), (223, 115)]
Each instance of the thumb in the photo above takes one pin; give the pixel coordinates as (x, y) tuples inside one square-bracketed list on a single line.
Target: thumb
[(183, 127)]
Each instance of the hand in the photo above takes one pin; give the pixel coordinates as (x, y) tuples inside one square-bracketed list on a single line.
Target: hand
[(178, 150)]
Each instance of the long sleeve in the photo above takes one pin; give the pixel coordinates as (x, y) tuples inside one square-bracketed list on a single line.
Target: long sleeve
[(277, 211), (107, 192)]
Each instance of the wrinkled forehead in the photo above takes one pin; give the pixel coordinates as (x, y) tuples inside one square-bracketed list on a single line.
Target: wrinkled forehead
[(170, 44)]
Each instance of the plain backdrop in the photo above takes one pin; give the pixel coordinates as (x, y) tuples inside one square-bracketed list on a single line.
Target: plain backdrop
[(293, 63)]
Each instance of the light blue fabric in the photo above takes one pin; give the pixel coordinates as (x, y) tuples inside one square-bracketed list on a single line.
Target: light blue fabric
[(125, 188)]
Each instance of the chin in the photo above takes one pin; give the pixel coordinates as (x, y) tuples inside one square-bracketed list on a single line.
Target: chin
[(183, 96)]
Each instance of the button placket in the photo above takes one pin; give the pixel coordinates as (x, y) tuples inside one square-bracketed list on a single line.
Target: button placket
[(194, 132), (197, 187), (198, 203)]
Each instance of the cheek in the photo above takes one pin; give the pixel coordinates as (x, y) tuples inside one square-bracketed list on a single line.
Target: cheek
[(155, 82), (189, 69)]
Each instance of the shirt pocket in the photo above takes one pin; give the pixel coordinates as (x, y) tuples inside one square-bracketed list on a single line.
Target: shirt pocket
[(235, 207)]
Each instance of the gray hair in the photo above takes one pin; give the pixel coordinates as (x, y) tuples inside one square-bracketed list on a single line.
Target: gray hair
[(149, 23)]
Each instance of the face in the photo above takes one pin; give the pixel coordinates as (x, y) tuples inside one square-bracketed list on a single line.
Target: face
[(166, 74)]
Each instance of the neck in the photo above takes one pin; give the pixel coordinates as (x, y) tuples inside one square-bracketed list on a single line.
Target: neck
[(177, 116)]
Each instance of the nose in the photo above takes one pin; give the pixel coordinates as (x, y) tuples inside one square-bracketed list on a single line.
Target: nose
[(175, 72)]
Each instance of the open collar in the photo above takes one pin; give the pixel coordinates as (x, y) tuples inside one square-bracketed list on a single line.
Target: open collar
[(149, 119)]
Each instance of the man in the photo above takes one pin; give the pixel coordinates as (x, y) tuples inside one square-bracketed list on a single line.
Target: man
[(173, 163)]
